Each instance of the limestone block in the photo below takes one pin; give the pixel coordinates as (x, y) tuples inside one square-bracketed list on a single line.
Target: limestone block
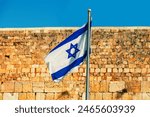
[(146, 96), (107, 96), (18, 87), (98, 96), (10, 96), (115, 86), (120, 70), (1, 96), (38, 86), (91, 70), (92, 96), (40, 96), (103, 70), (7, 87), (109, 66), (103, 86), (32, 70), (116, 96), (137, 96), (53, 89), (148, 70), (37, 70), (49, 96), (50, 88), (0, 86), (97, 70), (109, 78), (109, 69), (2, 70), (144, 70), (134, 86), (27, 87), (30, 96), (81, 70), (115, 70), (138, 70), (94, 86), (132, 70), (148, 78), (83, 96), (126, 96), (22, 96), (126, 70), (145, 86), (26, 70)]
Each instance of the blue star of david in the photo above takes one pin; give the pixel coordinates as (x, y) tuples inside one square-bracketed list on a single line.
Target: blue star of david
[(73, 50)]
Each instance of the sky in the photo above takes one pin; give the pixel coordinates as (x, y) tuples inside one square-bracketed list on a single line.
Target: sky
[(72, 13)]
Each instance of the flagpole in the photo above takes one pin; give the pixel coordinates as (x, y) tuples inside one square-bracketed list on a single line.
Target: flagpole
[(87, 96)]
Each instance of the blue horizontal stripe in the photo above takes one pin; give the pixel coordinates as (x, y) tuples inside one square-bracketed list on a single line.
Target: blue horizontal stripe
[(72, 37), (66, 69)]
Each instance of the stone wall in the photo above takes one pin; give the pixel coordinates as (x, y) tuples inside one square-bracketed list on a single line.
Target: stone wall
[(120, 65)]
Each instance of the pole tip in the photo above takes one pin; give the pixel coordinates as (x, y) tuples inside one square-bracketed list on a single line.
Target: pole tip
[(89, 10)]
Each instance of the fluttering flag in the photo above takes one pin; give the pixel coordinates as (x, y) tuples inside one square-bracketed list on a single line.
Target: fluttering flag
[(68, 54)]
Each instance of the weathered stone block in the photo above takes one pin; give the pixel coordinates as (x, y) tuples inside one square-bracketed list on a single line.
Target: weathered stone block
[(26, 70), (103, 70), (10, 96), (27, 87), (22, 96), (138, 70), (40, 96), (83, 96), (2, 70), (138, 96), (1, 96), (126, 70), (98, 96), (116, 96), (94, 87), (30, 96), (109, 78), (115, 70), (126, 96), (49, 96), (7, 87), (18, 86), (97, 70), (38, 86), (0, 86), (146, 96), (103, 86), (148, 70), (145, 86), (92, 96), (107, 96), (134, 86), (120, 70), (109, 70), (50, 88), (47, 89), (115, 86), (144, 70), (132, 70)]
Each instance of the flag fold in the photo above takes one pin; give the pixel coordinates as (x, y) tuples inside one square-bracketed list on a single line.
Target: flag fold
[(67, 55)]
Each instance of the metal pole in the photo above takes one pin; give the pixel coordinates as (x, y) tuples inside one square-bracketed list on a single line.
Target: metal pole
[(87, 96)]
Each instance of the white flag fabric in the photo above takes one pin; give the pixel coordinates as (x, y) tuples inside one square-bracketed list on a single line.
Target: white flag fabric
[(67, 55)]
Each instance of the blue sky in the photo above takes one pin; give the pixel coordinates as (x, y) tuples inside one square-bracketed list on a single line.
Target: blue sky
[(60, 13)]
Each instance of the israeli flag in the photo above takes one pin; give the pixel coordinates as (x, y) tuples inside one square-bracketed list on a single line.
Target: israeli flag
[(67, 55)]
